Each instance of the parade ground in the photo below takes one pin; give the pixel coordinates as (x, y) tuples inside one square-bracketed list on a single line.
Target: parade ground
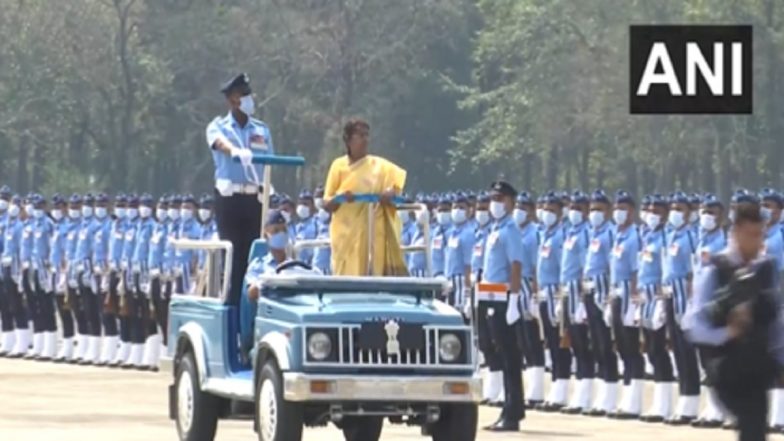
[(45, 401)]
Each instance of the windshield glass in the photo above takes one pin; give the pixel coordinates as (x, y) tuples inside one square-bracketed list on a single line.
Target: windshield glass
[(335, 295)]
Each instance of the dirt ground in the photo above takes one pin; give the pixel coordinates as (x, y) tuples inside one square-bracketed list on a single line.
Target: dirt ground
[(45, 401)]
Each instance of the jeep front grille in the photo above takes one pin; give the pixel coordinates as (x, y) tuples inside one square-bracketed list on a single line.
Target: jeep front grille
[(346, 351)]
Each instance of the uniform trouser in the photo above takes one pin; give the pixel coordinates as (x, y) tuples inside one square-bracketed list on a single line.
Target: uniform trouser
[(91, 308), (456, 294), (76, 305), (685, 356), (561, 357), (531, 343), (15, 302), (6, 317), (658, 355), (30, 303), (628, 342), (158, 320), (238, 218), (750, 407), (505, 341), (45, 320), (110, 302), (601, 342), (581, 347), (125, 307), (484, 330), (139, 314), (65, 313)]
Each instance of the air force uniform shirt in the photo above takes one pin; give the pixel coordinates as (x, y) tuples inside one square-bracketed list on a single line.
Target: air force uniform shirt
[(255, 136)]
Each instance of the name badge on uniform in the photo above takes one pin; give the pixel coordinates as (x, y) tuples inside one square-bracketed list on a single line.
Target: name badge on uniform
[(478, 250), (569, 245), (596, 244), (618, 251), (493, 238), (705, 255), (83, 235), (38, 234), (156, 238), (674, 248), (118, 236), (647, 253), (438, 241), (258, 142), (129, 235), (71, 236), (545, 251), (454, 242)]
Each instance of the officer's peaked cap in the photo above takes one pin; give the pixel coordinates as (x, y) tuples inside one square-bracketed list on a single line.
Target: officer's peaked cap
[(710, 200), (121, 199), (188, 199), (89, 199), (658, 200), (460, 198), (623, 197), (524, 198), (5, 192), (768, 194), (133, 199), (239, 83), (483, 197), (102, 198), (679, 197), (504, 188), (552, 197), (206, 200), (275, 217), (578, 197), (695, 199), (742, 196), (306, 194), (146, 199), (599, 195), (75, 199), (57, 199), (175, 199)]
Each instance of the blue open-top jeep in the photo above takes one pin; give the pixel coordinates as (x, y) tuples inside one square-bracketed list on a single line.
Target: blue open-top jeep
[(352, 351)]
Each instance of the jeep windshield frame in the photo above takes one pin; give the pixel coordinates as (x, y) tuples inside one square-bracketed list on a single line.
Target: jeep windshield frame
[(284, 284)]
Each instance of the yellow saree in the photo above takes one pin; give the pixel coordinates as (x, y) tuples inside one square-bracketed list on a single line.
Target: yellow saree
[(350, 225)]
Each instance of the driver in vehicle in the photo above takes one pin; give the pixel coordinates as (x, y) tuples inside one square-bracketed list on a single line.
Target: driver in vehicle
[(277, 237)]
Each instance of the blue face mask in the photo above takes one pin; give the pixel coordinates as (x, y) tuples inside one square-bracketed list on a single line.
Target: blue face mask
[(278, 241)]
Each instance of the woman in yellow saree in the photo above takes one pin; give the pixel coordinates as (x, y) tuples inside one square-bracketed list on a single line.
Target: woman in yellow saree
[(360, 173)]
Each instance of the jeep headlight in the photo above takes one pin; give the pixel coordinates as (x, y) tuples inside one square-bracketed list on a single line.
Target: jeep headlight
[(319, 346), (449, 347)]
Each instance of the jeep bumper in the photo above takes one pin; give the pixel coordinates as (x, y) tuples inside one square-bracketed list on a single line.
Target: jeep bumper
[(311, 387)]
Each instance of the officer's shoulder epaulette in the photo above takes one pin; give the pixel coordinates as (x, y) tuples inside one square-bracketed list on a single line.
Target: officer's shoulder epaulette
[(258, 122)]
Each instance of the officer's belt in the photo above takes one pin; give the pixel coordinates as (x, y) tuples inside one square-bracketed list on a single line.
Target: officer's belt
[(492, 292), (244, 188)]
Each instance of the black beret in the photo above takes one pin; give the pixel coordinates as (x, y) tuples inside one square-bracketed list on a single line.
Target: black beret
[(503, 188), (239, 83)]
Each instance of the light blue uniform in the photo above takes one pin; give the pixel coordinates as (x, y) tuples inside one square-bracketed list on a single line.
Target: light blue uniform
[(255, 136), (102, 237), (503, 247), (623, 265), (256, 268), (417, 262), (43, 231), (774, 245), (597, 263), (306, 229), (116, 243), (575, 248), (548, 268), (158, 246), (460, 245), (681, 246), (26, 243), (57, 255), (322, 256), (71, 242), (708, 244), (11, 241), (478, 255), (189, 229), (129, 246), (84, 245), (530, 237), (438, 244), (651, 264), (141, 251), (170, 253)]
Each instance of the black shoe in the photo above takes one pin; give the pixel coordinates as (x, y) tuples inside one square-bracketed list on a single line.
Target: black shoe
[(532, 404), (571, 410), (550, 407), (126, 366), (626, 416), (706, 424), (484, 402), (85, 362), (143, 368), (594, 413), (30, 357), (729, 425), (652, 418), (504, 426), (74, 361), (43, 358), (679, 420), (498, 404), (15, 355)]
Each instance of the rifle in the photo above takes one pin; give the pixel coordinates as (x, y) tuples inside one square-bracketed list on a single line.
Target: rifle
[(563, 330)]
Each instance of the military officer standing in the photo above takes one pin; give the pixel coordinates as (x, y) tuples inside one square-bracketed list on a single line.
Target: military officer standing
[(115, 356), (503, 265), (306, 228), (155, 265), (322, 256), (596, 285), (459, 246), (439, 234), (575, 248), (26, 305), (416, 260), (102, 230), (237, 184), (143, 328), (135, 352), (15, 336)]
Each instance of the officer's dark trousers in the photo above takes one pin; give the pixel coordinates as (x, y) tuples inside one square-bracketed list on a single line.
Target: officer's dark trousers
[(15, 301), (77, 308), (66, 316), (658, 356), (628, 341), (47, 322), (750, 407), (6, 316), (561, 357), (601, 342), (581, 348), (30, 300), (484, 329), (138, 313), (157, 295), (505, 341), (125, 309), (531, 343), (239, 221), (685, 356), (109, 305), (91, 308)]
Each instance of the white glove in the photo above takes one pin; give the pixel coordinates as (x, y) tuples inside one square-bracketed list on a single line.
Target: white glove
[(513, 309), (245, 156), (468, 310)]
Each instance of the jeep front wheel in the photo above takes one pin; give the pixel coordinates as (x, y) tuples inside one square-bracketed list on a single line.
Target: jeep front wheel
[(277, 419), (362, 428), (197, 412), (458, 422)]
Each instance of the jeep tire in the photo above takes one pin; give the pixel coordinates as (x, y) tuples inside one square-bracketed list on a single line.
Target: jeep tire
[(458, 422), (276, 419), (196, 413), (362, 428)]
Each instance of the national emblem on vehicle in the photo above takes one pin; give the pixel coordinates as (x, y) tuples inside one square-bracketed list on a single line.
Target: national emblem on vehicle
[(393, 346)]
